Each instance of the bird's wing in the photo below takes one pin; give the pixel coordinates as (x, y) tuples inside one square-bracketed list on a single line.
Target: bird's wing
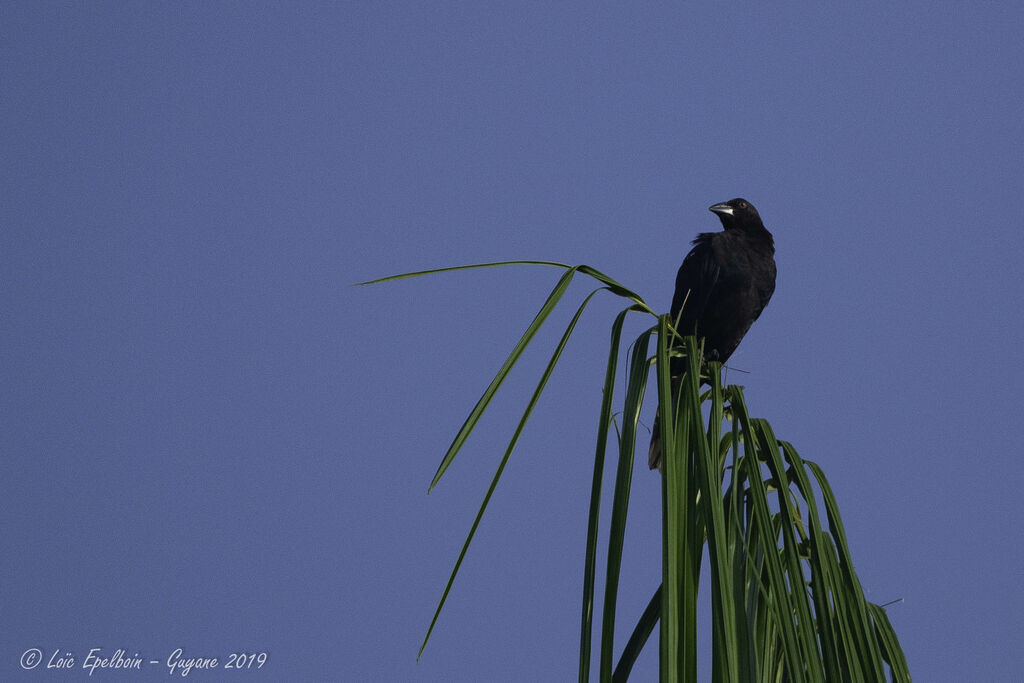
[(695, 281), (769, 288)]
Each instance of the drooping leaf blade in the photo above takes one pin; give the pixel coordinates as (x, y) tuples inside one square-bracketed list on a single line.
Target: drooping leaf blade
[(504, 460), (590, 559), (635, 388)]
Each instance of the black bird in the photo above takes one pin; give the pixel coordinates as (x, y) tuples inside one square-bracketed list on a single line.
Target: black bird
[(722, 286)]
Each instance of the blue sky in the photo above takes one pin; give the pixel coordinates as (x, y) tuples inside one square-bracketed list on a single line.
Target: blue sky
[(211, 441)]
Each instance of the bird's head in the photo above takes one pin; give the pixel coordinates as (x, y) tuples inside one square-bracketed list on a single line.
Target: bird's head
[(737, 213)]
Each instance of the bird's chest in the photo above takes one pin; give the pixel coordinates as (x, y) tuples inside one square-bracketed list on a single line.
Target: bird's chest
[(743, 285), (742, 266), (735, 278)]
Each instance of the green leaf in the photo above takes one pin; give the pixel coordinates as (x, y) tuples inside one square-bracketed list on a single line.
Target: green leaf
[(590, 560), (635, 388), (434, 271), (504, 460), (641, 632), (492, 388), (786, 603)]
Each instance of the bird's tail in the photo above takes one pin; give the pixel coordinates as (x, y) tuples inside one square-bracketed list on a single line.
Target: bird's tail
[(654, 453)]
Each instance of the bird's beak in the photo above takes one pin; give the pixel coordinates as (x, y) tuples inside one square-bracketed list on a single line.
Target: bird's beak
[(721, 209)]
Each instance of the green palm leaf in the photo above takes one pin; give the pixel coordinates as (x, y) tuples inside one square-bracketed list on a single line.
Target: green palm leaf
[(786, 603)]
